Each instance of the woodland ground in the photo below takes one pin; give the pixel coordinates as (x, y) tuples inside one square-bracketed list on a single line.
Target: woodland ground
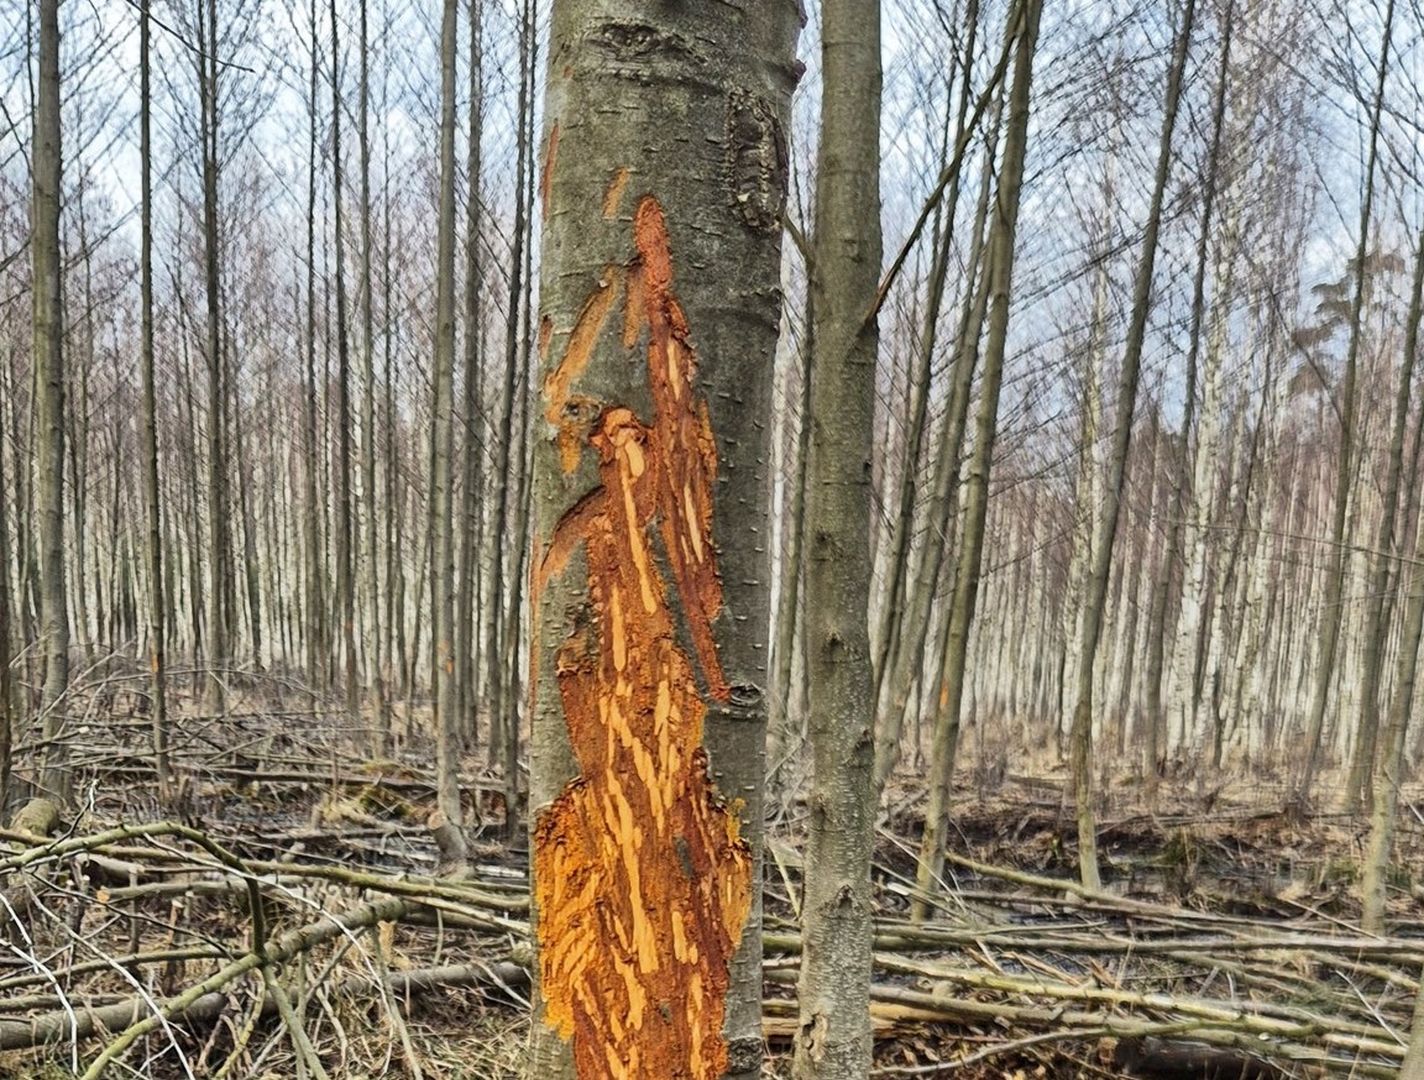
[(280, 784)]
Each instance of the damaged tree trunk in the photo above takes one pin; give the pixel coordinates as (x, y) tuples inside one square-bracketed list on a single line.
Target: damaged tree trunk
[(664, 179)]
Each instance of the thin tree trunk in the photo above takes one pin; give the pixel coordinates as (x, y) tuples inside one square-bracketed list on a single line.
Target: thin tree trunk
[(157, 601), (381, 720), (790, 623), (472, 500), (998, 282), (1081, 732), (834, 1037), (1330, 614), (55, 778), (650, 569), (345, 539), (219, 535), (8, 712), (495, 628), (1358, 786), (1168, 583), (317, 652), (509, 662), (442, 568)]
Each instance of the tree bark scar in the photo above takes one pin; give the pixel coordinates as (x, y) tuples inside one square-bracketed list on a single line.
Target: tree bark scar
[(757, 161), (643, 883), (613, 197), (551, 157)]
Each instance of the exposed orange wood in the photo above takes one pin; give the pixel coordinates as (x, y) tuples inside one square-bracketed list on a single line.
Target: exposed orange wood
[(572, 415), (613, 197), (642, 880)]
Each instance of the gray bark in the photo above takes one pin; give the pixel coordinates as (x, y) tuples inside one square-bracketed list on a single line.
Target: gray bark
[(834, 1038)]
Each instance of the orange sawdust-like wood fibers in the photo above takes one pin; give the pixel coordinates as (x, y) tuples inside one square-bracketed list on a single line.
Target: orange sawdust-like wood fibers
[(642, 880)]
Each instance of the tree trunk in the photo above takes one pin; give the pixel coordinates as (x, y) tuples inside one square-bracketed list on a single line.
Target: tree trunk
[(317, 652), (442, 566), (663, 186), (55, 779), (1081, 731), (494, 623), (472, 495), (834, 1039), (219, 530), (345, 568), (1412, 1067), (1330, 614), (1376, 632), (375, 653), (157, 600), (789, 626), (998, 283), (8, 712)]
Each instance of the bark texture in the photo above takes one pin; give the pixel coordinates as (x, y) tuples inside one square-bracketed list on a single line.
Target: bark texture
[(834, 1039), (662, 191)]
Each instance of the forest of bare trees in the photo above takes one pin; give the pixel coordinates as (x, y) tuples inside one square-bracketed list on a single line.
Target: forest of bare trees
[(732, 538)]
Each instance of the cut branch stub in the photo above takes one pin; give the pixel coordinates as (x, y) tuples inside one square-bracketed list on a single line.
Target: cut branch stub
[(643, 883)]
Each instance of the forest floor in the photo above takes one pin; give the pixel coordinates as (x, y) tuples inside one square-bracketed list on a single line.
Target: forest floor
[(1225, 942)]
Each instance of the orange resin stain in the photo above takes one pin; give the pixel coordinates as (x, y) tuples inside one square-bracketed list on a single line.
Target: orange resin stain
[(642, 880)]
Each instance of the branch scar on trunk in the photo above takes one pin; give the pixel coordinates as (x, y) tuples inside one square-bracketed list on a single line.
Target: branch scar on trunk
[(643, 882)]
